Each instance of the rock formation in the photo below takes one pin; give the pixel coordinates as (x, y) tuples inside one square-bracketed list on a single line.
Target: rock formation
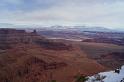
[(10, 37)]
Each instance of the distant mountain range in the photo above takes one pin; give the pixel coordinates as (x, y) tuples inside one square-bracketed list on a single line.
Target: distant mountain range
[(81, 28), (58, 28)]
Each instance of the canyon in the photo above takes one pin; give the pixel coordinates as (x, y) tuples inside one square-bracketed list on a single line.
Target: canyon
[(28, 56)]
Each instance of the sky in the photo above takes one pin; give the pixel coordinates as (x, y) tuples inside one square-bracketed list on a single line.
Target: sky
[(107, 13)]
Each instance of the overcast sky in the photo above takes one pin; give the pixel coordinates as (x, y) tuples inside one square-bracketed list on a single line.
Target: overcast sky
[(107, 13)]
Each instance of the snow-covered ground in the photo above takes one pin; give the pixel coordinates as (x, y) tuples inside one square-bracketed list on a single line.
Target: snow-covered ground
[(110, 76), (79, 40)]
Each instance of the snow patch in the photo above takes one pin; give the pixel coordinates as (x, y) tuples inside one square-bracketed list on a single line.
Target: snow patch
[(110, 76)]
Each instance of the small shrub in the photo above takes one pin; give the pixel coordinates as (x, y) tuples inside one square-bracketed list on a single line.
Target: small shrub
[(53, 81), (81, 79)]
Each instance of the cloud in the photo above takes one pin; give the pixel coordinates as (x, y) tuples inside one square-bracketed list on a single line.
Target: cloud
[(107, 13)]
